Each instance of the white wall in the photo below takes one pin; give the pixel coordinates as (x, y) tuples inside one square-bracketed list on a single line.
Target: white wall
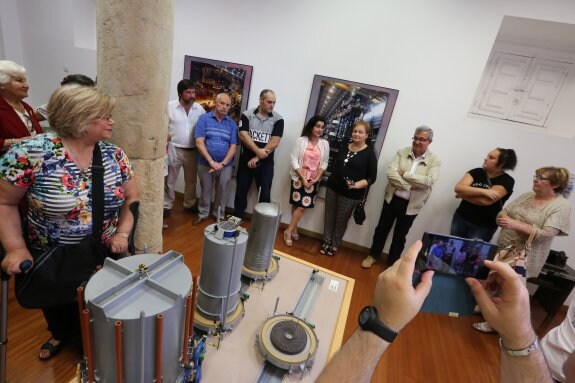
[(40, 35), (433, 52)]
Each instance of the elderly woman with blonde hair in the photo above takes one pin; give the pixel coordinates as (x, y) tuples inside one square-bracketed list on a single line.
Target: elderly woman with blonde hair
[(542, 213), (53, 171)]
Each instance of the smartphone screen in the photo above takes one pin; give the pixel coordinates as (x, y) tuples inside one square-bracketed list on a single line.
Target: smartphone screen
[(454, 255)]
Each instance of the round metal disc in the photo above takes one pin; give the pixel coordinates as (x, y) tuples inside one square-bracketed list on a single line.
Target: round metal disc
[(288, 337)]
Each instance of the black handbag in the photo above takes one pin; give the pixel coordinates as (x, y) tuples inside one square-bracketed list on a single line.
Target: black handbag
[(59, 271), (359, 211)]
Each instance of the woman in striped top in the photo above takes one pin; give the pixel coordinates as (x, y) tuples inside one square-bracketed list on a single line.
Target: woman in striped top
[(53, 172)]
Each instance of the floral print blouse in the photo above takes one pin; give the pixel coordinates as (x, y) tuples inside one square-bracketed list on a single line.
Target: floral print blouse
[(59, 194)]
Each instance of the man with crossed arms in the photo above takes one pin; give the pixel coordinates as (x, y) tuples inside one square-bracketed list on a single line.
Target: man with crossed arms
[(261, 130)]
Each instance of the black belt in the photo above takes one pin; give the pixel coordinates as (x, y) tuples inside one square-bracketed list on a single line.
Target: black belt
[(185, 148)]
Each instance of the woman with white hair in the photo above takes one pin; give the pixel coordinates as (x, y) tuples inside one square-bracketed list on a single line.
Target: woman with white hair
[(17, 120)]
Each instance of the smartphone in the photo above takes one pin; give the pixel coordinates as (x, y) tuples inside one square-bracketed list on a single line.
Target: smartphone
[(455, 255)]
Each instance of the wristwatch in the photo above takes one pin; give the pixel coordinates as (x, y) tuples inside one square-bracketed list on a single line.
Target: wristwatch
[(523, 352), (369, 321), (123, 235)]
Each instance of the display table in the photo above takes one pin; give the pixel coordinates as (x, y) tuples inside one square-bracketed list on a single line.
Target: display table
[(238, 358)]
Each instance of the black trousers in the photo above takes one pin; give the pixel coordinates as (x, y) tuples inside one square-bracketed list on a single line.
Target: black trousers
[(63, 322), (390, 213), (263, 175)]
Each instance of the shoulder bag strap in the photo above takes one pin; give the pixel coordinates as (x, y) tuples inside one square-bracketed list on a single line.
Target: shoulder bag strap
[(531, 237), (365, 195), (97, 192)]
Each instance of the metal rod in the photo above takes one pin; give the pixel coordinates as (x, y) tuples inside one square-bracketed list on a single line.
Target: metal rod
[(142, 344), (119, 353), (80, 297), (81, 307), (4, 326), (88, 351), (194, 297), (225, 309), (276, 308), (186, 330), (158, 357)]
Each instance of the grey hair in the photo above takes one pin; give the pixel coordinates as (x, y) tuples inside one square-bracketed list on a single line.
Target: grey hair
[(265, 92), (425, 129), (9, 69), (220, 95)]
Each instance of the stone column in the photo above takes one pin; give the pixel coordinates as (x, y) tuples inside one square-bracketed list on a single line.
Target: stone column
[(135, 40)]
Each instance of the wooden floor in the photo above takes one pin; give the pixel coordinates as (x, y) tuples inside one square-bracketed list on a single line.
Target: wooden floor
[(432, 348)]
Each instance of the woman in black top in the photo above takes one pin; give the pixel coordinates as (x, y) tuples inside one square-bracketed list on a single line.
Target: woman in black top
[(354, 169), (483, 192)]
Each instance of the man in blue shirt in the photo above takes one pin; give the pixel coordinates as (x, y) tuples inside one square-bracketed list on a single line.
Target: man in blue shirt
[(216, 138)]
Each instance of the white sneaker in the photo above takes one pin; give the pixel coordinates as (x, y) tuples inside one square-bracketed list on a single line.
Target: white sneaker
[(368, 262)]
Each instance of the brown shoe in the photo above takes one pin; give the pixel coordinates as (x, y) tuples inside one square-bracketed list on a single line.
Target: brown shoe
[(198, 220)]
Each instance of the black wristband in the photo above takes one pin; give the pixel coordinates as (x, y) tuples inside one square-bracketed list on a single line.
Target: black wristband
[(369, 321)]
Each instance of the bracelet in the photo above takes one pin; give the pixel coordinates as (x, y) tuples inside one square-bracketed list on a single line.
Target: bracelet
[(524, 351), (123, 235), (10, 141), (211, 162)]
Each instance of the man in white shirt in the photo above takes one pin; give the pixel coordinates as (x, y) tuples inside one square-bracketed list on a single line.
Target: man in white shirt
[(183, 114), (559, 344)]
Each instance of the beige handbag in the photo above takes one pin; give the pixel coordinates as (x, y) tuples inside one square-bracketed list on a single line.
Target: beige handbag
[(515, 256)]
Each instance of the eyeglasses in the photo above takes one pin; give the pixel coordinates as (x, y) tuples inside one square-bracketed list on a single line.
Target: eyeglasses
[(420, 139), (539, 178), (106, 117), (29, 123)]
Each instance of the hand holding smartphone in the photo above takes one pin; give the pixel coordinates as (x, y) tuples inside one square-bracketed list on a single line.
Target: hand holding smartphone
[(455, 255)]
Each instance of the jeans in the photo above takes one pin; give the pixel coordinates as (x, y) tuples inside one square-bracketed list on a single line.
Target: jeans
[(460, 227)]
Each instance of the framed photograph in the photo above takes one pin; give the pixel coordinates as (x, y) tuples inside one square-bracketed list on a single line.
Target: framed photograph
[(342, 103), (213, 76)]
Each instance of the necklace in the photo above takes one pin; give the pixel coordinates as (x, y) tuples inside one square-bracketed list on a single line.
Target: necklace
[(348, 156)]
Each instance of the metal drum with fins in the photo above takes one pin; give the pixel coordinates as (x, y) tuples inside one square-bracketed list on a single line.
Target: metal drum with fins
[(134, 291), (288, 342), (258, 262), (220, 277)]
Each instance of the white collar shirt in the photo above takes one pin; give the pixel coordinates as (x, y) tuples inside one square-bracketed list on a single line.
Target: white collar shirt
[(181, 125)]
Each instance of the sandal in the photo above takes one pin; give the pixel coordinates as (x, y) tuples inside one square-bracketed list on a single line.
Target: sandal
[(332, 250), (295, 236), (287, 238), (324, 248), (483, 327), (52, 349)]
